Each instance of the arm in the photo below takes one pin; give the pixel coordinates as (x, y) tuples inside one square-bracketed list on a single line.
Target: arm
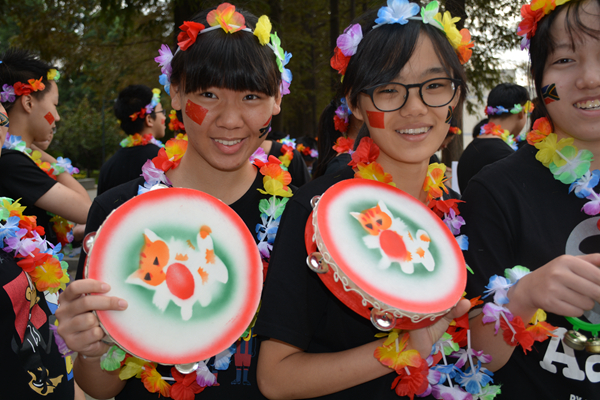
[(68, 198), (80, 329), (280, 364)]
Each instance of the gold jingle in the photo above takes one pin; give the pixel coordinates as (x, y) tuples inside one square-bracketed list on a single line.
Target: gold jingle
[(593, 346), (575, 340)]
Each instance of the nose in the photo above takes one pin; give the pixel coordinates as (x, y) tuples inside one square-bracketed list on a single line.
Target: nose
[(414, 104), (590, 76), (230, 117)]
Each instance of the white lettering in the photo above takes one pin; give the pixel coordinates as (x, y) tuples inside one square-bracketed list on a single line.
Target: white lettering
[(568, 358), (592, 375)]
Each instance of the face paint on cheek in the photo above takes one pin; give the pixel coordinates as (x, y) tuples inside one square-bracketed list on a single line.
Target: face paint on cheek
[(50, 118), (195, 111), (267, 128), (3, 120), (449, 116), (376, 119), (549, 93)]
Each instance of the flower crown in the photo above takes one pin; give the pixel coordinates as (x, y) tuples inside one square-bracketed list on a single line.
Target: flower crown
[(517, 108), (149, 107), (10, 92), (532, 14), (400, 12), (230, 21)]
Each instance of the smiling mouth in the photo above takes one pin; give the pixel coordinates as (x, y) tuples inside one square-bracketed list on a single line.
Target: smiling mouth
[(228, 142), (415, 132), (588, 105)]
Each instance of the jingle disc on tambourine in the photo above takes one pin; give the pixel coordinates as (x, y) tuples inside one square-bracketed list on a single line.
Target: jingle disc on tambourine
[(189, 269), (384, 254)]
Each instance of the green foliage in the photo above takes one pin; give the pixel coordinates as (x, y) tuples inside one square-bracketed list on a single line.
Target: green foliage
[(79, 135)]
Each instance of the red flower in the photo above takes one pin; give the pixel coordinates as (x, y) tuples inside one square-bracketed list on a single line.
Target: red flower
[(340, 124), (187, 37), (285, 149), (339, 61), (528, 25), (185, 387), (413, 384), (28, 264), (22, 89), (343, 145), (540, 130), (441, 207), (522, 336), (366, 152)]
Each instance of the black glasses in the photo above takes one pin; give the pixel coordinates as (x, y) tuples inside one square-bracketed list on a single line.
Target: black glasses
[(392, 96), (159, 112)]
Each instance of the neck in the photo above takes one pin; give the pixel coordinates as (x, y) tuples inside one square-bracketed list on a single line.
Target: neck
[(592, 146), (19, 127), (408, 177), (195, 173)]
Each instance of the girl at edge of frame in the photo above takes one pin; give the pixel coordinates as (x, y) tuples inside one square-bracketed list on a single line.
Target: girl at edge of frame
[(238, 98), (533, 219), (298, 361)]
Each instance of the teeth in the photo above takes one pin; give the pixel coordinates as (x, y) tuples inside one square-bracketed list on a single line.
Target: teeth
[(589, 105), (413, 131), (228, 142)]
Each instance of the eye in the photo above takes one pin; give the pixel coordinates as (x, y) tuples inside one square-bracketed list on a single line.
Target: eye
[(251, 97), (563, 61), (208, 95)]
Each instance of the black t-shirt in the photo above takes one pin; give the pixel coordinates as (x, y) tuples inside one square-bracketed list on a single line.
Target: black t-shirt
[(516, 213), (23, 179), (31, 367), (479, 153), (297, 168), (125, 165), (297, 307), (239, 380)]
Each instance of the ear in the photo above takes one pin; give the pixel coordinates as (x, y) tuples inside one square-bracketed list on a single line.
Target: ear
[(27, 103), (356, 111), (277, 104), (175, 97), (149, 121)]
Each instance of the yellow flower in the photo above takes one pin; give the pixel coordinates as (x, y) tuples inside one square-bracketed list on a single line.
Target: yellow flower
[(539, 316), (275, 187), (50, 276), (14, 209), (53, 75), (153, 381), (286, 159), (549, 148), (374, 171), (434, 181), (263, 30), (394, 356), (132, 367), (448, 22), (156, 91)]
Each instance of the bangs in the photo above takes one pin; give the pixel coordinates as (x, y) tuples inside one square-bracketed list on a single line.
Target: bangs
[(234, 61), (575, 27)]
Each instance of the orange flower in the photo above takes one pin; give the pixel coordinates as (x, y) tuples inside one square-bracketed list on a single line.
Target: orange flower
[(49, 276), (187, 37), (226, 16), (36, 84), (275, 179), (343, 145), (464, 48), (441, 207), (540, 130), (528, 25), (434, 181), (366, 152), (395, 356), (374, 171), (339, 61), (153, 381), (170, 156)]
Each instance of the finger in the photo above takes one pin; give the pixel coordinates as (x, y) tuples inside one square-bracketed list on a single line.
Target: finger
[(459, 309), (85, 304), (591, 258), (81, 287)]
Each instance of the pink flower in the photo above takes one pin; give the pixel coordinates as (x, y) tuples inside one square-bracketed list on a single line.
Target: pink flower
[(165, 59), (260, 155), (349, 40)]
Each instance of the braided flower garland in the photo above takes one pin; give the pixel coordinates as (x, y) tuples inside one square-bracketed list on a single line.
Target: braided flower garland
[(140, 140), (495, 129), (184, 386)]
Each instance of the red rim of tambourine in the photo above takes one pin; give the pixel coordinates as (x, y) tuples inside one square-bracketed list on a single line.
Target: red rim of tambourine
[(142, 330), (354, 300)]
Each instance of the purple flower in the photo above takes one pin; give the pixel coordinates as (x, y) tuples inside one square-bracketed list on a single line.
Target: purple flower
[(284, 88), (450, 393), (60, 342), (260, 155), (153, 175), (592, 207), (204, 377), (349, 40), (7, 94), (165, 59), (9, 229), (491, 313), (454, 222)]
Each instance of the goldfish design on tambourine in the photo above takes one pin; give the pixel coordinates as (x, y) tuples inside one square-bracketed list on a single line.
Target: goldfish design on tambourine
[(180, 272)]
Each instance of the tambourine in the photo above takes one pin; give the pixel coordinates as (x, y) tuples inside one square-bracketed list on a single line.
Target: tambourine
[(187, 266), (384, 254)]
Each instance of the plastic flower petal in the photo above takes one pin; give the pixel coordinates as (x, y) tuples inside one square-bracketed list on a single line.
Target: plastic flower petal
[(464, 47), (454, 222), (491, 313), (7, 94), (348, 41), (515, 273), (339, 61), (164, 59), (374, 171), (585, 185), (185, 386), (366, 152), (153, 381), (549, 147), (225, 15), (540, 130), (449, 24), (498, 286), (343, 145), (434, 181), (412, 382), (515, 333), (475, 378), (450, 393), (592, 207), (111, 360), (133, 366), (260, 155), (188, 34), (429, 12), (36, 84), (263, 30), (576, 164), (396, 12), (53, 75), (396, 357), (204, 377)]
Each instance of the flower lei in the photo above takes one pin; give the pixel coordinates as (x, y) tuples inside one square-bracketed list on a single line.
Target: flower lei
[(307, 151), (517, 108), (275, 181), (496, 130), (341, 119), (174, 124), (514, 330), (455, 130), (62, 227), (225, 17), (140, 140), (10, 92), (400, 12), (343, 145), (149, 108), (417, 376), (532, 14), (568, 164)]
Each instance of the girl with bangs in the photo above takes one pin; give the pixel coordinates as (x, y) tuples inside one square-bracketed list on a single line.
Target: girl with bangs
[(227, 77), (538, 210), (403, 78)]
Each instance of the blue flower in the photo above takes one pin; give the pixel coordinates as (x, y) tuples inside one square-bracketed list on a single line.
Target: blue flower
[(397, 12), (584, 186)]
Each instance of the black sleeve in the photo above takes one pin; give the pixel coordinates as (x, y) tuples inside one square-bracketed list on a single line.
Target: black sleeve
[(298, 170), (488, 227), (292, 303), (22, 178)]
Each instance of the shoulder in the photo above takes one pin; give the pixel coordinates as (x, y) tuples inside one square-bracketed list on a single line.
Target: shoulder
[(114, 197), (14, 157)]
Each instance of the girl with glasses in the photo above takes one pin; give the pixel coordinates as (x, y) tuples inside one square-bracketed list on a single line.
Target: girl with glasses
[(403, 78)]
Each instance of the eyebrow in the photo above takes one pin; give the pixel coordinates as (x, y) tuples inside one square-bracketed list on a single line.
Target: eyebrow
[(433, 70)]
